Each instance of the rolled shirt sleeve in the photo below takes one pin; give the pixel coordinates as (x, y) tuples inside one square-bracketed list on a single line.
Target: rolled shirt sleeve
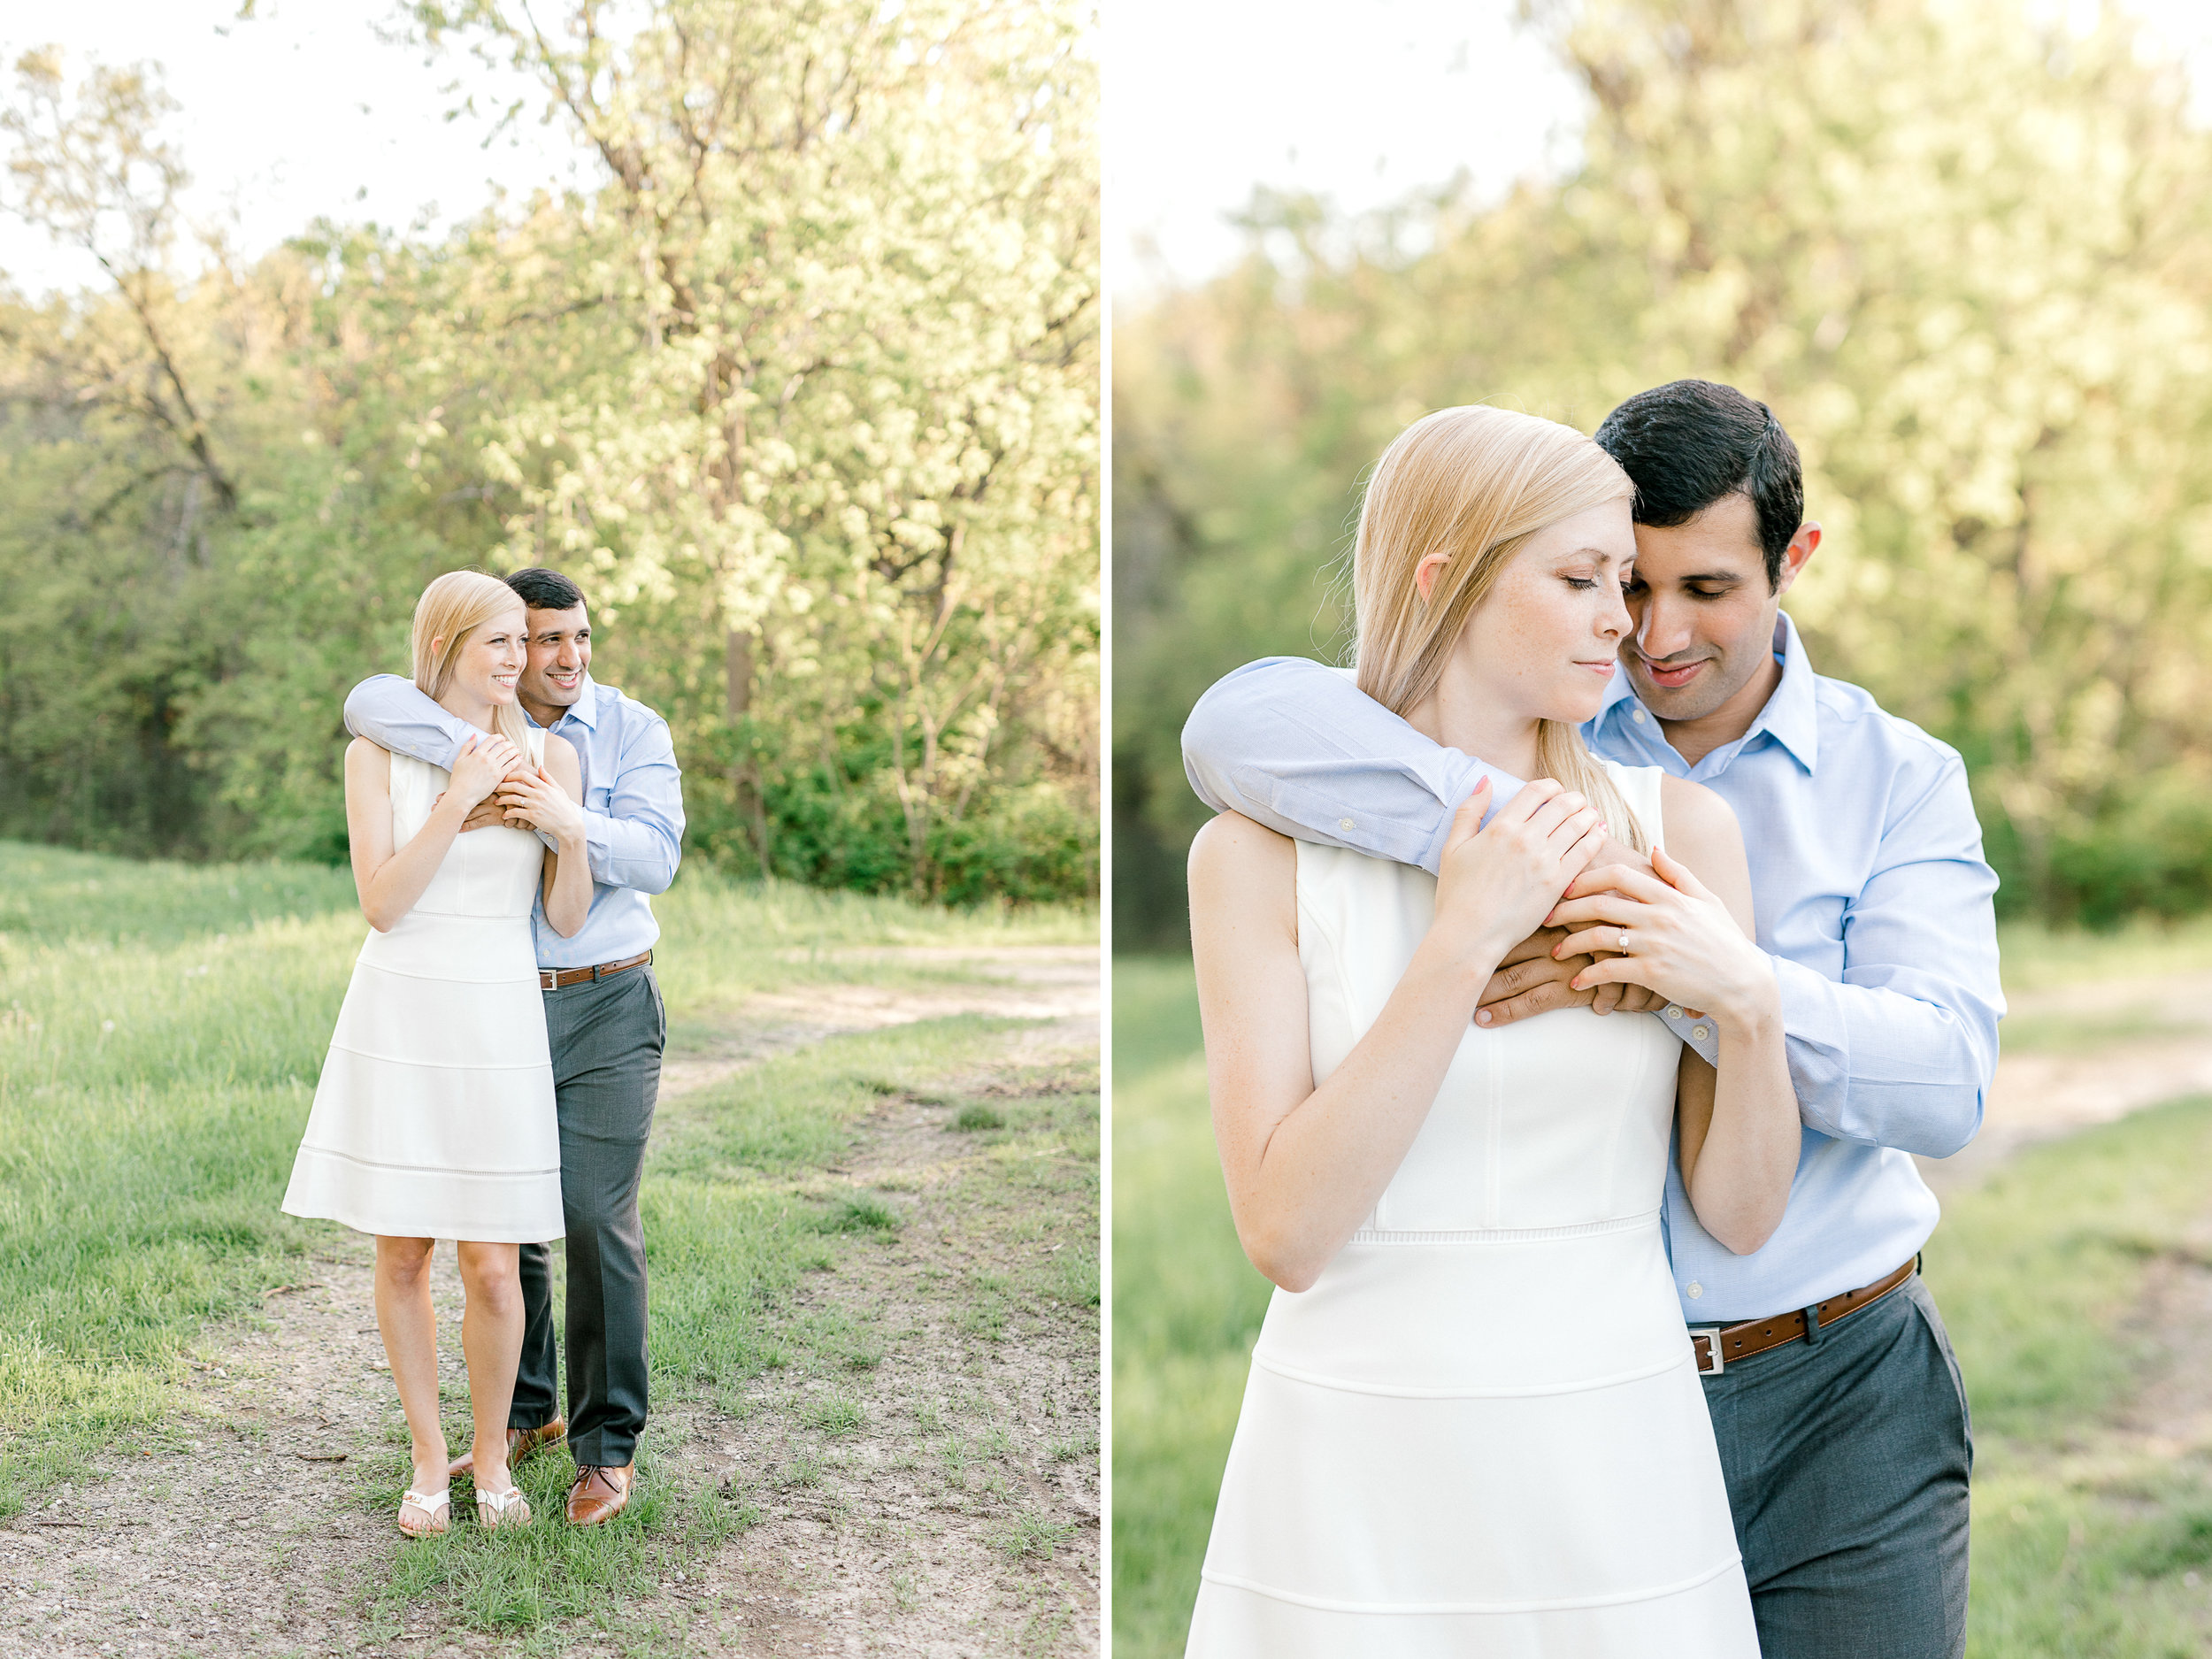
[(1295, 745), (1901, 1050), (395, 715)]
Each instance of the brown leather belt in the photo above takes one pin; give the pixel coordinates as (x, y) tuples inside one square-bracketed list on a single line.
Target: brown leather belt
[(553, 979), (1719, 1346)]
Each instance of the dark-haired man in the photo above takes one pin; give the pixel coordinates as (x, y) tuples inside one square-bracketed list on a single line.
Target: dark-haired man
[(605, 1023), (1837, 1405)]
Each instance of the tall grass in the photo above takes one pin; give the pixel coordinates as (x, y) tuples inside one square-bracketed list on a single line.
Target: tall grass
[(161, 1028)]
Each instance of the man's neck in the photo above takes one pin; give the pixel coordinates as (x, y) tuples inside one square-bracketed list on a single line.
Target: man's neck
[(1694, 740), (544, 714)]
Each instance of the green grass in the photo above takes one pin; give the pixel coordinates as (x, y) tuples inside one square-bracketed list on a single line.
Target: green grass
[(732, 1215), (2037, 957), (1187, 1307), (2085, 1536), (161, 1028)]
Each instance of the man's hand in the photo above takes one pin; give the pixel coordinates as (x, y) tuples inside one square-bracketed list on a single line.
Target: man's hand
[(483, 815), (1530, 981), (532, 800)]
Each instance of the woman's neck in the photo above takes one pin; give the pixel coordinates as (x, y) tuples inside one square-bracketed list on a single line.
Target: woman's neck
[(1474, 721), (476, 710)]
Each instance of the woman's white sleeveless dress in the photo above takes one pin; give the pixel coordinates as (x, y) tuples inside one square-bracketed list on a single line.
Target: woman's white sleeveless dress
[(433, 1116), (1480, 1431)]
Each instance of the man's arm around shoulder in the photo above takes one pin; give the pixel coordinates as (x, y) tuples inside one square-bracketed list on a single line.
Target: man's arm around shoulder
[(1296, 746), (395, 715)]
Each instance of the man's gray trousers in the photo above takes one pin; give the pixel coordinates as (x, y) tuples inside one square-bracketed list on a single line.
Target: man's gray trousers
[(607, 1036)]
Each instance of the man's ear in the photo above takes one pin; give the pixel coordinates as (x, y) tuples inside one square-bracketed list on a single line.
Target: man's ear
[(1794, 557), (1427, 571)]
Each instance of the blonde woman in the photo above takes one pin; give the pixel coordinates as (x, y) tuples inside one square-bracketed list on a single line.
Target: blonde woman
[(433, 1117), (1473, 1422)]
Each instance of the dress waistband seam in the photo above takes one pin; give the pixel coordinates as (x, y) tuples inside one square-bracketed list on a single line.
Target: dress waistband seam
[(1559, 1604), (1685, 1359), (1505, 1235), (442, 1065)]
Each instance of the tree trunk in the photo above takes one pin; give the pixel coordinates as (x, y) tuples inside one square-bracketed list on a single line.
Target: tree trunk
[(752, 805)]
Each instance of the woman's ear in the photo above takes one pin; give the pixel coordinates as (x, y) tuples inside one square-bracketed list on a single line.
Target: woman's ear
[(1427, 571)]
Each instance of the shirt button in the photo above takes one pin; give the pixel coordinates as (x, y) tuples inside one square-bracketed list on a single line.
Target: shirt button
[(1639, 716), (1701, 1032), (1345, 824), (1673, 1013), (1696, 1290)]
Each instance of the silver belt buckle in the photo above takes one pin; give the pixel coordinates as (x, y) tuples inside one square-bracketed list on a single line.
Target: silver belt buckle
[(1711, 1333)]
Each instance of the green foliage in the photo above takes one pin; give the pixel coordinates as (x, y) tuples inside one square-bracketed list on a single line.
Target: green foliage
[(803, 395), (1963, 251)]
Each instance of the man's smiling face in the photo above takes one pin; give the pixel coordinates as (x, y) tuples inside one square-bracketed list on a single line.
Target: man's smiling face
[(560, 651), (1704, 613)]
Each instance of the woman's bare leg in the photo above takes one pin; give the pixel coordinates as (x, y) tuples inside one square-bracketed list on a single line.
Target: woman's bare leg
[(404, 1316), (491, 1336)]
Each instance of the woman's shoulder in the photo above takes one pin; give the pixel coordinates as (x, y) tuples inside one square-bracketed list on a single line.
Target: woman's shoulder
[(1697, 818), (364, 759), (1230, 850)]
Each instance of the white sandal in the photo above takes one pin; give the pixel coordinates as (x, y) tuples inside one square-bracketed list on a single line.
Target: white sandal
[(434, 1507), (492, 1508)]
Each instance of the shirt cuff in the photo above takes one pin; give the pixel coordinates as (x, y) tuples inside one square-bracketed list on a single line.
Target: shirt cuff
[(1701, 1033)]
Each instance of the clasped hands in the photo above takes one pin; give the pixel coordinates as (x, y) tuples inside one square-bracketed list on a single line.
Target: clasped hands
[(509, 790), (1576, 960)]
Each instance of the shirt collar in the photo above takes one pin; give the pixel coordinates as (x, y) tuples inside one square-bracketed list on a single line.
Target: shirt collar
[(584, 710), (1792, 715)]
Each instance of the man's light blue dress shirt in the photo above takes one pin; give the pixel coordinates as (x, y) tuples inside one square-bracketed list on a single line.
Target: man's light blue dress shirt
[(633, 803), (1873, 898)]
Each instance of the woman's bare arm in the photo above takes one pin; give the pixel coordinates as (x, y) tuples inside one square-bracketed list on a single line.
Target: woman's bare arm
[(567, 879), (1739, 1129), (1304, 1165)]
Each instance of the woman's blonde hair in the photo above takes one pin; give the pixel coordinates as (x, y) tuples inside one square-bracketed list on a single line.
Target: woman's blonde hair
[(451, 609), (1474, 482)]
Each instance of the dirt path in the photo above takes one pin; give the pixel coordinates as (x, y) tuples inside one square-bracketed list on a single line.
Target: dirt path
[(246, 1533), (2084, 1078)]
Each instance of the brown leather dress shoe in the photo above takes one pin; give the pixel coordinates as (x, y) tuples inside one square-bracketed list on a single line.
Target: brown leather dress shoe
[(600, 1493), (521, 1443)]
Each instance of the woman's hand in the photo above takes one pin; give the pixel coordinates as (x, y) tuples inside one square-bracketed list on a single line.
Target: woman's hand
[(531, 799), (478, 767), (1496, 883), (1667, 931)]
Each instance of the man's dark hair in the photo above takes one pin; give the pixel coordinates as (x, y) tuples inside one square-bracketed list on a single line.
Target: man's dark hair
[(542, 589), (1687, 443)]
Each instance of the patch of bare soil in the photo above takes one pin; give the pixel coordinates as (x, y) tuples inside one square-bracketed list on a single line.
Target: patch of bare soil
[(2042, 1095), (943, 1498), (242, 1534), (2170, 1417), (241, 1537), (1053, 982)]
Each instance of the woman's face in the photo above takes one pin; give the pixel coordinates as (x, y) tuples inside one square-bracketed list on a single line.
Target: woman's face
[(1544, 640), (491, 658)]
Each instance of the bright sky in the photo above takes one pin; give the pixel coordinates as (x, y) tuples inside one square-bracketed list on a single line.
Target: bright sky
[(1360, 104), (303, 109), (299, 112)]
